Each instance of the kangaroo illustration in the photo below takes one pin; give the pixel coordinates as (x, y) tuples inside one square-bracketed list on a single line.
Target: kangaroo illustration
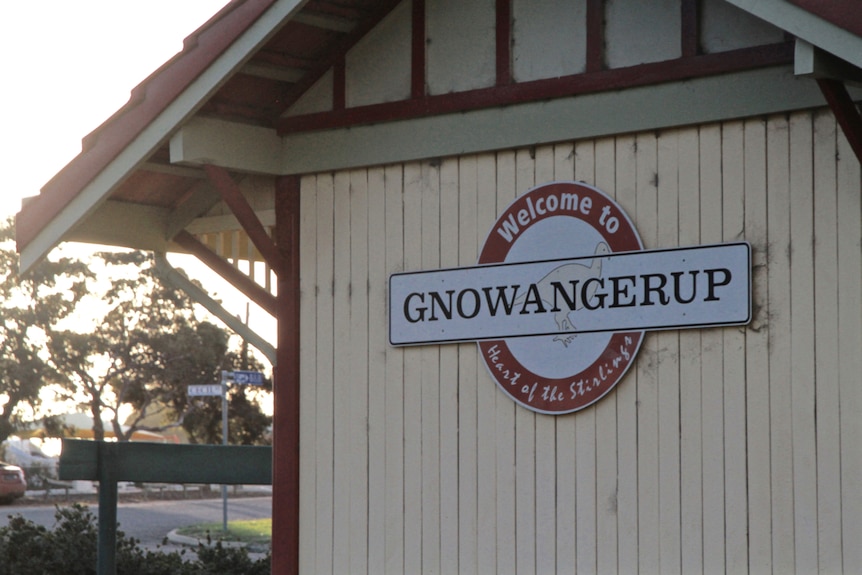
[(565, 274)]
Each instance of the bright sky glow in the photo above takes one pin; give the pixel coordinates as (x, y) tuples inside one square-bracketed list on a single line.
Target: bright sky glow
[(67, 67)]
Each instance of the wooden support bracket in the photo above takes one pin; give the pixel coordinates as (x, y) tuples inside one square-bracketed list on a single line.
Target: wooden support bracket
[(236, 278), (846, 112), (239, 206)]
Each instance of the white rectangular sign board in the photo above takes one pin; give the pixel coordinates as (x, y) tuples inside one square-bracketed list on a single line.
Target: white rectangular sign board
[(700, 286), (202, 390)]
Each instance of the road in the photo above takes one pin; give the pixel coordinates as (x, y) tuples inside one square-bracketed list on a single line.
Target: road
[(150, 521)]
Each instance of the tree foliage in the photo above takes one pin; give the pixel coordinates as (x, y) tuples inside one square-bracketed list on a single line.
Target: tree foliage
[(31, 307), (144, 353), (138, 354)]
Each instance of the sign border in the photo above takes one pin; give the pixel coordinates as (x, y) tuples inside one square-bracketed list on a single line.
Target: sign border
[(614, 330)]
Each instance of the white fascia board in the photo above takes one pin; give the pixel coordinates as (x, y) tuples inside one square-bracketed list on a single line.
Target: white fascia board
[(696, 101), (133, 155), (805, 25), (230, 145), (810, 61)]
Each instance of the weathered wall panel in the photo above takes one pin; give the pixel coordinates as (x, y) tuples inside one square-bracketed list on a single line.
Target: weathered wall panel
[(729, 449), (460, 42), (726, 27), (378, 68), (549, 39), (630, 42)]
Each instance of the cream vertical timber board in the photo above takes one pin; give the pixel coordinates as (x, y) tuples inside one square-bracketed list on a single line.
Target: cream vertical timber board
[(595, 163), (486, 390), (780, 405), (566, 438), (412, 379), (357, 389), (626, 390), (324, 358), (357, 386), (505, 415), (712, 395), (647, 369), (757, 353), (463, 233), (598, 170), (667, 343), (377, 355), (430, 380), (395, 467), (525, 426), (826, 338), (546, 435), (449, 425), (802, 343), (691, 447), (308, 373), (735, 473), (342, 378), (849, 358)]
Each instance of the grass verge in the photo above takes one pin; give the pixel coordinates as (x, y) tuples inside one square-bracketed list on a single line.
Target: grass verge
[(250, 531)]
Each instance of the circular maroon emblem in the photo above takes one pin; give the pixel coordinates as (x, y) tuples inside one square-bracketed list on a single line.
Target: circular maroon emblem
[(568, 370)]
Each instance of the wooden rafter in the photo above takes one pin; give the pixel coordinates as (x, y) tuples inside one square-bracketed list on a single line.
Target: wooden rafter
[(221, 266)]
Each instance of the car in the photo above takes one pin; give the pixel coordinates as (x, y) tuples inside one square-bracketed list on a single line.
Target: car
[(13, 484)]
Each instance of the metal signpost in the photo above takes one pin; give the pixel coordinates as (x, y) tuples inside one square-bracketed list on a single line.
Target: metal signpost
[(240, 378)]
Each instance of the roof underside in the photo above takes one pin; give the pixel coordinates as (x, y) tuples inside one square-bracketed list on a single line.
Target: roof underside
[(255, 59)]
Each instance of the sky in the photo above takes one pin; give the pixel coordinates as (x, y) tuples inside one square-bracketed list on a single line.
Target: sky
[(67, 66)]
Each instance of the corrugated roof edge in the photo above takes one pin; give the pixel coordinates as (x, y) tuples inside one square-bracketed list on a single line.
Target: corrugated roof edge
[(147, 101)]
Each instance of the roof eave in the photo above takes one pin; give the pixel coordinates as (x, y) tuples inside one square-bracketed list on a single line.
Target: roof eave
[(157, 108), (804, 24)]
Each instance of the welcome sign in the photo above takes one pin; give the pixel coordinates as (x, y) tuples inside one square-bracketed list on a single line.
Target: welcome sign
[(563, 294)]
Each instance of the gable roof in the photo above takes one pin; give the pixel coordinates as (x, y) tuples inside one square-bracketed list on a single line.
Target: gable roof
[(278, 47), (254, 59)]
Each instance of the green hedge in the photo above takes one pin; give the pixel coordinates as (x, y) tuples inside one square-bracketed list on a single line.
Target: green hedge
[(70, 548)]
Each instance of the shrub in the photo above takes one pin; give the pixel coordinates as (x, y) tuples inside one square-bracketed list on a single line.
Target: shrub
[(70, 548)]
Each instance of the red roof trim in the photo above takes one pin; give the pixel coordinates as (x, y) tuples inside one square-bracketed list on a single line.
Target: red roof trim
[(537, 90), (147, 101)]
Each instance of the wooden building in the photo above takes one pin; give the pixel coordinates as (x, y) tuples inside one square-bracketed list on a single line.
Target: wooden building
[(342, 142)]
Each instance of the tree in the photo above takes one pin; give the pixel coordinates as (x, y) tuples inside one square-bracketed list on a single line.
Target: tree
[(31, 308), (247, 424), (143, 353)]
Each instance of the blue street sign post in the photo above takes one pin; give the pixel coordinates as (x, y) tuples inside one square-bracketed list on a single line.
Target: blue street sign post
[(241, 378)]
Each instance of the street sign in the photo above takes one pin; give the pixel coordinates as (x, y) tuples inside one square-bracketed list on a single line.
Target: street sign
[(201, 390), (247, 377)]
